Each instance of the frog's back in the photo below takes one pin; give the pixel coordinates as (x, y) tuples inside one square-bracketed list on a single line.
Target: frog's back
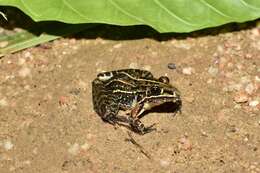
[(117, 87)]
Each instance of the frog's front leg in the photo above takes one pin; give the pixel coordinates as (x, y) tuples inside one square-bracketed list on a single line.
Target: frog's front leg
[(135, 122)]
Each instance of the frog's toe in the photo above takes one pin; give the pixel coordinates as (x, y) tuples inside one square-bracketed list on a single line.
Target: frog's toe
[(141, 129), (150, 128), (137, 126)]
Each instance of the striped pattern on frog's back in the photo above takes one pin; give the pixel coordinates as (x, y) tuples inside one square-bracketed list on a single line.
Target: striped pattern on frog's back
[(110, 87), (133, 91)]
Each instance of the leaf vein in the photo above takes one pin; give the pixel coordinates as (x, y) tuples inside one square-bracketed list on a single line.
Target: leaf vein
[(60, 11), (29, 9), (248, 5), (173, 14), (74, 10), (215, 9), (112, 2), (141, 21)]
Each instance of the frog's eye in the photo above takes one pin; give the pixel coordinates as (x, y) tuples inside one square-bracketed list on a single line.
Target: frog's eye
[(164, 79)]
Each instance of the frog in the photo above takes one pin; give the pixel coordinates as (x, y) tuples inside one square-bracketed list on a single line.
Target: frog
[(133, 91)]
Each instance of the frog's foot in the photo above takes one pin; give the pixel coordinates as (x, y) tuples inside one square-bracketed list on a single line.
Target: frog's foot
[(150, 128), (139, 127)]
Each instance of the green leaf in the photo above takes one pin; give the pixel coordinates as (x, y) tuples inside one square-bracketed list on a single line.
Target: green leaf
[(162, 15), (26, 39)]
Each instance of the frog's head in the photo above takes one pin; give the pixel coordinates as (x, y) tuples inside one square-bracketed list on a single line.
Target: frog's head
[(161, 92)]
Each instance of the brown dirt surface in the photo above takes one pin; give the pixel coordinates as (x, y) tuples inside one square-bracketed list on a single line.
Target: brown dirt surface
[(47, 123)]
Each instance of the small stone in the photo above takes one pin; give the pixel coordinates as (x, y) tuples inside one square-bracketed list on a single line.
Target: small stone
[(74, 149), (3, 44), (248, 56), (21, 61), (240, 97), (203, 133), (8, 145), (213, 71), (164, 163), (133, 65), (183, 45), (9, 77), (27, 55), (90, 136), (3, 102), (253, 103), (172, 66), (85, 146), (209, 81), (255, 32), (185, 143), (188, 70), (220, 49), (117, 46), (257, 79), (246, 139), (24, 72), (250, 88), (237, 47), (27, 162), (101, 41), (147, 67), (240, 66), (230, 65)]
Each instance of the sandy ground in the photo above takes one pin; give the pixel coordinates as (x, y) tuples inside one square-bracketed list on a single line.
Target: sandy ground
[(47, 123)]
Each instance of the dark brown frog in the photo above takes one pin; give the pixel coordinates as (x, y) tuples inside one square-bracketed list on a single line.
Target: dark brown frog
[(133, 91)]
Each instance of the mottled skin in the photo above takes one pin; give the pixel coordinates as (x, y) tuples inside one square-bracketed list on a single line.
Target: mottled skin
[(131, 90)]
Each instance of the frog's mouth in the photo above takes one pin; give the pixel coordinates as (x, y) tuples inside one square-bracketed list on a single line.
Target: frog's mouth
[(169, 104), (153, 101)]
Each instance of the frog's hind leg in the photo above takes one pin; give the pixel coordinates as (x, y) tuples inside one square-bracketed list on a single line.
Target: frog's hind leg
[(108, 113)]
